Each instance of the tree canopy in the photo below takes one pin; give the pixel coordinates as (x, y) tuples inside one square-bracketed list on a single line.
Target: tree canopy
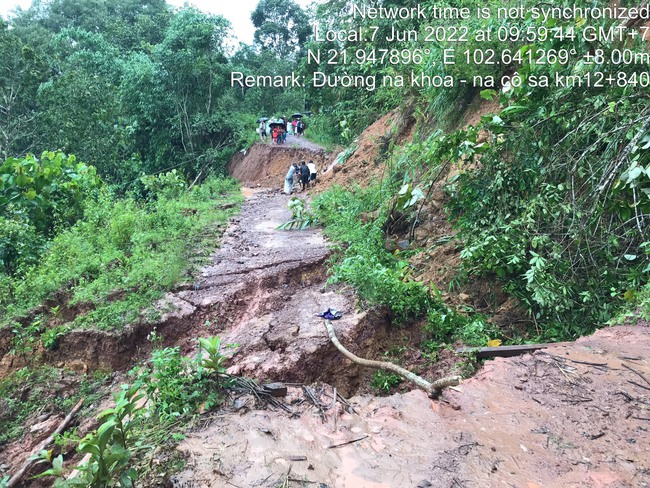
[(281, 27)]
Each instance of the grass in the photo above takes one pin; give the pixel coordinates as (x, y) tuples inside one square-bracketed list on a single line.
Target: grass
[(123, 255), (102, 273)]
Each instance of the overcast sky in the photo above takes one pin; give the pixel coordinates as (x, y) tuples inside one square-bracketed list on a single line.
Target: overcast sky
[(238, 12)]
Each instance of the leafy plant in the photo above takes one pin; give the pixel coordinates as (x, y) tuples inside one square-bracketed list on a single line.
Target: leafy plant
[(50, 338), (215, 360), (384, 381), (301, 219), (45, 456)]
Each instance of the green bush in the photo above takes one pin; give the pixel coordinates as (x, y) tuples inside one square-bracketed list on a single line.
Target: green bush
[(51, 190), (122, 255), (552, 217), (384, 381), (20, 244), (38, 196), (380, 278)]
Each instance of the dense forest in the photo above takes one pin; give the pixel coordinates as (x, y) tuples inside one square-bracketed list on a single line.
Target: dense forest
[(117, 120)]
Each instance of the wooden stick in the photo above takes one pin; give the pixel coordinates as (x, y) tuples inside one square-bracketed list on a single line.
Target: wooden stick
[(506, 351), (636, 372), (347, 442), (433, 389), (62, 426)]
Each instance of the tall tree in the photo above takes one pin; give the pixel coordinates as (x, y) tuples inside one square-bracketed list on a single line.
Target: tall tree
[(21, 71), (281, 27)]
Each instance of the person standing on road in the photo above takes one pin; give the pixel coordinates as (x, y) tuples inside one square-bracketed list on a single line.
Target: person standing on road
[(288, 180), (304, 176), (312, 173), (262, 130)]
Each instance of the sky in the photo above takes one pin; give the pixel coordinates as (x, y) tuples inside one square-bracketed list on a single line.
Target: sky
[(238, 12)]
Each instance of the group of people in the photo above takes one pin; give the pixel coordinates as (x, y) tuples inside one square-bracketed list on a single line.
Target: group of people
[(278, 134), (279, 129), (305, 174)]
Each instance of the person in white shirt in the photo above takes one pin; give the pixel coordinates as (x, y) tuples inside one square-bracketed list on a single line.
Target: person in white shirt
[(312, 173)]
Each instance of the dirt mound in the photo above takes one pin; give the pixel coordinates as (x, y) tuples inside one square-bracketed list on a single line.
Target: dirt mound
[(265, 165), (569, 416)]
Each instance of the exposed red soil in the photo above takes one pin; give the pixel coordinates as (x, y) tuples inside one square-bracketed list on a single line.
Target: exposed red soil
[(366, 163), (265, 164), (569, 416)]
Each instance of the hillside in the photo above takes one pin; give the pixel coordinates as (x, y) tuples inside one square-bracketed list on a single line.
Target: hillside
[(461, 299)]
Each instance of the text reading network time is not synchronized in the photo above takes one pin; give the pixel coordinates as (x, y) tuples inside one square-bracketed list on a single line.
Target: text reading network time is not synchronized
[(519, 12)]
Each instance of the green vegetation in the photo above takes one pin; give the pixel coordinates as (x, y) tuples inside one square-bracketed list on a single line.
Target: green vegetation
[(109, 265), (167, 393), (384, 381), (301, 218), (380, 277), (22, 394), (138, 87), (123, 254), (550, 196)]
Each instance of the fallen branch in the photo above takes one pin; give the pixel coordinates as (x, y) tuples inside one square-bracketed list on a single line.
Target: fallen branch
[(505, 351), (637, 373), (433, 389), (50, 439), (347, 442)]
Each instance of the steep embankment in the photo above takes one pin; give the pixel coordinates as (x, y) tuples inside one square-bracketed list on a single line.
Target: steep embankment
[(265, 164)]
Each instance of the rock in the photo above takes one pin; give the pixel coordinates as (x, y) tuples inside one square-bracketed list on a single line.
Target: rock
[(276, 389)]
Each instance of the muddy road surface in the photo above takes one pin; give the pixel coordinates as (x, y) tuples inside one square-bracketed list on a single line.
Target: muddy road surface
[(262, 292)]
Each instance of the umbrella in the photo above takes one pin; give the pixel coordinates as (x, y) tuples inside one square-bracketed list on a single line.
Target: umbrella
[(296, 115), (262, 119), (276, 122)]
